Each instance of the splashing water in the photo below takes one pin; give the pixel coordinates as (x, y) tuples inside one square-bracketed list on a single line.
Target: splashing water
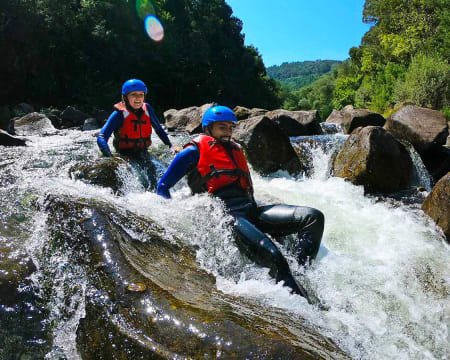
[(154, 28)]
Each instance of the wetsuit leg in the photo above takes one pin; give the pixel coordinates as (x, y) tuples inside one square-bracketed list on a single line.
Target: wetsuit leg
[(307, 223), (260, 249)]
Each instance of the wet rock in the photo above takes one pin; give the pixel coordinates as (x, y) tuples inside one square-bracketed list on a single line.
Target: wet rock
[(34, 124), (349, 118), (268, 149), (188, 119), (10, 140), (296, 123), (423, 128), (90, 124), (180, 314), (101, 116), (23, 109), (104, 172), (375, 159), (242, 112), (437, 204), (71, 117)]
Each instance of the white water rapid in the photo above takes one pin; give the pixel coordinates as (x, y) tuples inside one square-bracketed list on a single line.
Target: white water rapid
[(383, 268)]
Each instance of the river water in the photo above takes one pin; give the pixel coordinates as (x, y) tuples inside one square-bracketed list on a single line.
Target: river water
[(383, 269)]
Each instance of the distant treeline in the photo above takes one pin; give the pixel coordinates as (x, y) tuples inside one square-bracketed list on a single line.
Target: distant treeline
[(295, 75), (57, 52), (403, 58)]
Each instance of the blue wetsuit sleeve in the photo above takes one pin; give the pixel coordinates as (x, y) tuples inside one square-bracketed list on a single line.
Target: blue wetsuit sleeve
[(180, 166), (114, 122), (157, 127)]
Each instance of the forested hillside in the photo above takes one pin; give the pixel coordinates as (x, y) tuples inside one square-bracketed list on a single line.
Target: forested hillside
[(298, 74), (80, 52), (403, 58)]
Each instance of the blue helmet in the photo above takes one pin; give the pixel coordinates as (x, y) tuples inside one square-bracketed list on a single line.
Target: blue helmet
[(133, 85), (218, 113)]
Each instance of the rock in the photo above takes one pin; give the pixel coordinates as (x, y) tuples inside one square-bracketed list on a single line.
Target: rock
[(90, 124), (296, 123), (437, 204), (5, 116), (101, 116), (72, 117), (268, 149), (349, 118), (10, 140), (375, 159), (34, 124), (242, 112), (22, 109), (437, 161), (423, 128), (56, 120), (180, 314), (188, 119), (104, 172), (447, 144)]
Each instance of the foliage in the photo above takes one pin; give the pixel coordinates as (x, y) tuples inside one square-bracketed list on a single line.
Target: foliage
[(403, 57), (81, 51), (426, 83), (298, 74)]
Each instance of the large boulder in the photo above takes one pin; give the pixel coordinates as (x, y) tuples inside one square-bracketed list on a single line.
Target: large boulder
[(188, 119), (437, 204), (423, 128), (104, 172), (72, 117), (34, 124), (9, 140), (268, 148), (296, 123), (375, 159), (146, 297), (245, 113), (349, 118)]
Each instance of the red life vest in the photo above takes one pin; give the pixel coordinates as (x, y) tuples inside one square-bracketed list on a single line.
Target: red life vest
[(135, 132), (218, 167)]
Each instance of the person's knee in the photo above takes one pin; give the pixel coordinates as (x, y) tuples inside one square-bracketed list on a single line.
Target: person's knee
[(310, 217)]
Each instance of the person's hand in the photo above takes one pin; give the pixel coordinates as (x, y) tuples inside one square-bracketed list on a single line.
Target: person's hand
[(175, 149)]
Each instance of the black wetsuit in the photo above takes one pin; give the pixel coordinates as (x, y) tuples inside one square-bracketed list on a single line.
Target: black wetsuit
[(252, 222)]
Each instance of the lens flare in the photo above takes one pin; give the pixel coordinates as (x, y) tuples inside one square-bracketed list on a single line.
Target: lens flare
[(154, 28), (144, 8)]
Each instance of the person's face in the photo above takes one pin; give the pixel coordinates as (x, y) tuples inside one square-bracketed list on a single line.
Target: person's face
[(222, 130), (136, 99)]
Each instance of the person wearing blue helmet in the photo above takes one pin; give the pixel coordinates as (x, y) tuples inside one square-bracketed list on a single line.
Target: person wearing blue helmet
[(132, 123), (215, 164)]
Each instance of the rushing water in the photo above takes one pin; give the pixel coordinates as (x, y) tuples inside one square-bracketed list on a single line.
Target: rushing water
[(383, 267)]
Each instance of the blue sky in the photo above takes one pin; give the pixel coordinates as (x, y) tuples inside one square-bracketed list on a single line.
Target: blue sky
[(299, 30)]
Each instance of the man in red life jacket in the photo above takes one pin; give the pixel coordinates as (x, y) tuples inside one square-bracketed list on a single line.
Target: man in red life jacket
[(217, 165), (132, 123)]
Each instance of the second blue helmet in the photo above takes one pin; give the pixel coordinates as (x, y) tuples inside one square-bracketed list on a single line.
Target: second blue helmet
[(218, 113), (133, 85)]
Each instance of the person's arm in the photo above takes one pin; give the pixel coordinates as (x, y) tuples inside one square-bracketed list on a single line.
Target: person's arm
[(157, 127), (180, 166), (114, 122)]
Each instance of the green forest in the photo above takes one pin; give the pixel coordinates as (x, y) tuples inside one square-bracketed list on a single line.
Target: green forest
[(79, 52), (402, 59), (56, 53), (295, 75)]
